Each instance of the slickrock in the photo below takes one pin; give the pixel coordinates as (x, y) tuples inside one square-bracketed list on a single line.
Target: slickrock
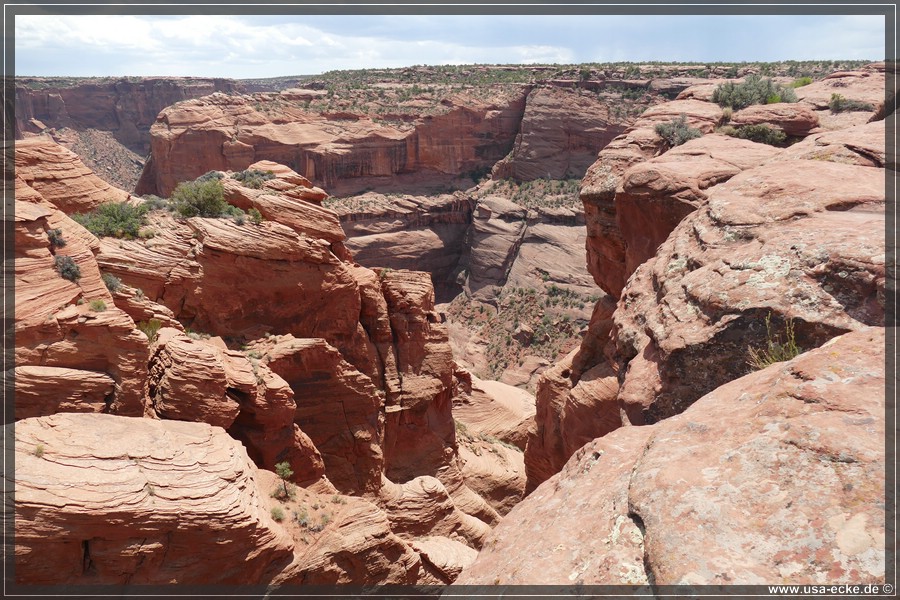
[(60, 176), (142, 309), (493, 409), (493, 469), (655, 195), (442, 558), (331, 149), (233, 280), (575, 528), (792, 240), (287, 207), (422, 508), (48, 390), (341, 540), (859, 145), (53, 330), (559, 137), (793, 118), (110, 500), (188, 381), (776, 476)]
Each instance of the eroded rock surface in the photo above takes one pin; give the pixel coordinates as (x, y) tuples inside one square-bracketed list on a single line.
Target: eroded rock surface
[(110, 500), (776, 476)]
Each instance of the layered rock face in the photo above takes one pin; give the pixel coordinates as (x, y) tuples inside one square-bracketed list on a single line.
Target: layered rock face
[(61, 178), (111, 500), (559, 136), (727, 245), (776, 476), (126, 108), (344, 373), (231, 132), (75, 350), (424, 233)]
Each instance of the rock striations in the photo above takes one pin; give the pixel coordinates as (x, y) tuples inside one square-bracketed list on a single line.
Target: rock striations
[(692, 461), (238, 400), (269, 333)]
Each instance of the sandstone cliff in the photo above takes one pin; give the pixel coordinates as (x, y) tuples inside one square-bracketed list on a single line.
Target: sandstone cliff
[(715, 247), (776, 476), (277, 339), (126, 107)]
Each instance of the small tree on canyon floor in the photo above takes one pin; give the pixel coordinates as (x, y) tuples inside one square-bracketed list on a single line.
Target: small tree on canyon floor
[(283, 470)]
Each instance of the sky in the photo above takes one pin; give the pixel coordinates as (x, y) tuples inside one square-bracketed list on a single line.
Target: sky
[(256, 46)]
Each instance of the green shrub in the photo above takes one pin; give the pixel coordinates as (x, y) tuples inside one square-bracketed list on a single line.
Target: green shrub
[(801, 82), (98, 305), (200, 198), (762, 134), (67, 268), (38, 450), (113, 283), (255, 216), (840, 104), (779, 347), (753, 90), (114, 219), (56, 238), (677, 131), (210, 176), (153, 202), (277, 514), (149, 328), (253, 178)]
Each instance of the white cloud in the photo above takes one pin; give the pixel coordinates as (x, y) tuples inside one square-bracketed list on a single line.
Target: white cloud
[(252, 46)]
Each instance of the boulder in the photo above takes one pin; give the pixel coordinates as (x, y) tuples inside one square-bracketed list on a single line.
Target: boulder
[(108, 500)]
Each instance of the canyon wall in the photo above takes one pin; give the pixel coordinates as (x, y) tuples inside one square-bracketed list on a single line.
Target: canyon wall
[(268, 347), (745, 321), (127, 107)]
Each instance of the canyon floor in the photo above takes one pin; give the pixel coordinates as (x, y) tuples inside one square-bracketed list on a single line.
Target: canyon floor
[(453, 325)]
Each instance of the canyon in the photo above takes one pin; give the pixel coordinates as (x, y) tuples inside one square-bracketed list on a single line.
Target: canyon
[(499, 334)]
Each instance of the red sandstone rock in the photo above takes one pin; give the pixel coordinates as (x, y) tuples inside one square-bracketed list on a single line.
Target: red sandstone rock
[(61, 178), (655, 195), (47, 390), (560, 135), (111, 500), (799, 240), (749, 485), (285, 207), (794, 119), (605, 246), (231, 133), (53, 330), (859, 145), (336, 405), (340, 540)]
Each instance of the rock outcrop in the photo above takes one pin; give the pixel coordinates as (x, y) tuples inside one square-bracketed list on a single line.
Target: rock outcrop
[(559, 136), (61, 178), (125, 107), (65, 320), (422, 233), (748, 247), (776, 476), (110, 500), (331, 149)]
